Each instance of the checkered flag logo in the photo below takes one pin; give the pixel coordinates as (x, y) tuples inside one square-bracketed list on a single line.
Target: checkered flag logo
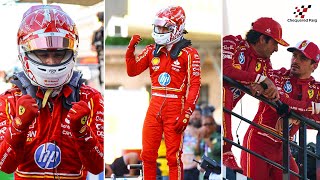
[(300, 12)]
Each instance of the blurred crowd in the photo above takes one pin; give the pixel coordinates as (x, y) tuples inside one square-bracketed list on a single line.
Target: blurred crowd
[(201, 137)]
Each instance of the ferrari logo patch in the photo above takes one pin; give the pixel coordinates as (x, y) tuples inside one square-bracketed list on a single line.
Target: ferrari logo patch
[(258, 66), (21, 110), (84, 120), (310, 93)]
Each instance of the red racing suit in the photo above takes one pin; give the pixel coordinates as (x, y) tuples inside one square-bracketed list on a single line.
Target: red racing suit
[(175, 85), (298, 95), (31, 155), (241, 63)]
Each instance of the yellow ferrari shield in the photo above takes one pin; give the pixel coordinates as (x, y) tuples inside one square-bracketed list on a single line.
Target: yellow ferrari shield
[(84, 120), (310, 93), (21, 110), (258, 66)]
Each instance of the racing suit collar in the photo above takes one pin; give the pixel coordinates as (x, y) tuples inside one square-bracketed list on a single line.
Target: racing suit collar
[(66, 91), (302, 81)]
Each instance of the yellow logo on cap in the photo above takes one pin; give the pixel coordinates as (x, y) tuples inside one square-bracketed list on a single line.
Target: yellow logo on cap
[(310, 93), (303, 44), (84, 120), (155, 61), (258, 66), (21, 110)]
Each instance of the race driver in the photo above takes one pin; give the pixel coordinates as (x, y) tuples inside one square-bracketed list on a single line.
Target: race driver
[(300, 92), (52, 124), (248, 61), (175, 77)]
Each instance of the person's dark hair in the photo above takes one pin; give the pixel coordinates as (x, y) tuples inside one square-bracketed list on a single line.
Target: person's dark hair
[(100, 16), (208, 110), (253, 36)]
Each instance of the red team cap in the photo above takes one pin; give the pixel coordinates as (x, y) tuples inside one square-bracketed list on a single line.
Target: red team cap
[(308, 48), (269, 27)]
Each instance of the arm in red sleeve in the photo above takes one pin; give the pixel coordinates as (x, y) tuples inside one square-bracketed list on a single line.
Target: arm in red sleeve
[(136, 65), (231, 65), (12, 141), (90, 146), (193, 86)]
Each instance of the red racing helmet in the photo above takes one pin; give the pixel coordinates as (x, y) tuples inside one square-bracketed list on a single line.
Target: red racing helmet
[(173, 18), (47, 27)]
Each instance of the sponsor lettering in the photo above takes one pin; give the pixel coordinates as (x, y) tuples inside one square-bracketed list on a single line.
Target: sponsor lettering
[(98, 118), (98, 151), (3, 130), (226, 47), (32, 134), (227, 56), (68, 133), (65, 126), (4, 157), (100, 133)]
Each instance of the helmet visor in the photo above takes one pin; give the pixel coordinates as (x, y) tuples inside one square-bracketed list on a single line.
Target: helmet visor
[(49, 42), (163, 22)]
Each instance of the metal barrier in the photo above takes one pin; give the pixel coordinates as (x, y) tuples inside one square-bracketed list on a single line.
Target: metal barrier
[(302, 158)]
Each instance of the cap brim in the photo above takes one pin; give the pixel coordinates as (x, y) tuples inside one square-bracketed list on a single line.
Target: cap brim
[(282, 42), (291, 49)]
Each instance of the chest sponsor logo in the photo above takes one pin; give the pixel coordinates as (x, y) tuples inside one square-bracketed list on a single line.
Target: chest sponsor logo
[(180, 54), (164, 79), (47, 156), (310, 93), (155, 61), (241, 58), (258, 66), (287, 87), (176, 65)]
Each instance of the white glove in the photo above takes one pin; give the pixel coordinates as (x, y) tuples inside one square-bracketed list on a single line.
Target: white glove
[(315, 108)]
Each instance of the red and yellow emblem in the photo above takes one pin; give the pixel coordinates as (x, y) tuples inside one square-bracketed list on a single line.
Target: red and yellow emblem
[(21, 110), (258, 66), (155, 61), (310, 93)]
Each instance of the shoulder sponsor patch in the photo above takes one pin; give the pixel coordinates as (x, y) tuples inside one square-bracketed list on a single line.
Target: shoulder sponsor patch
[(241, 58), (287, 87)]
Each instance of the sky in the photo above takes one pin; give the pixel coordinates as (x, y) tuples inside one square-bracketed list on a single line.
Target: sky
[(238, 16)]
